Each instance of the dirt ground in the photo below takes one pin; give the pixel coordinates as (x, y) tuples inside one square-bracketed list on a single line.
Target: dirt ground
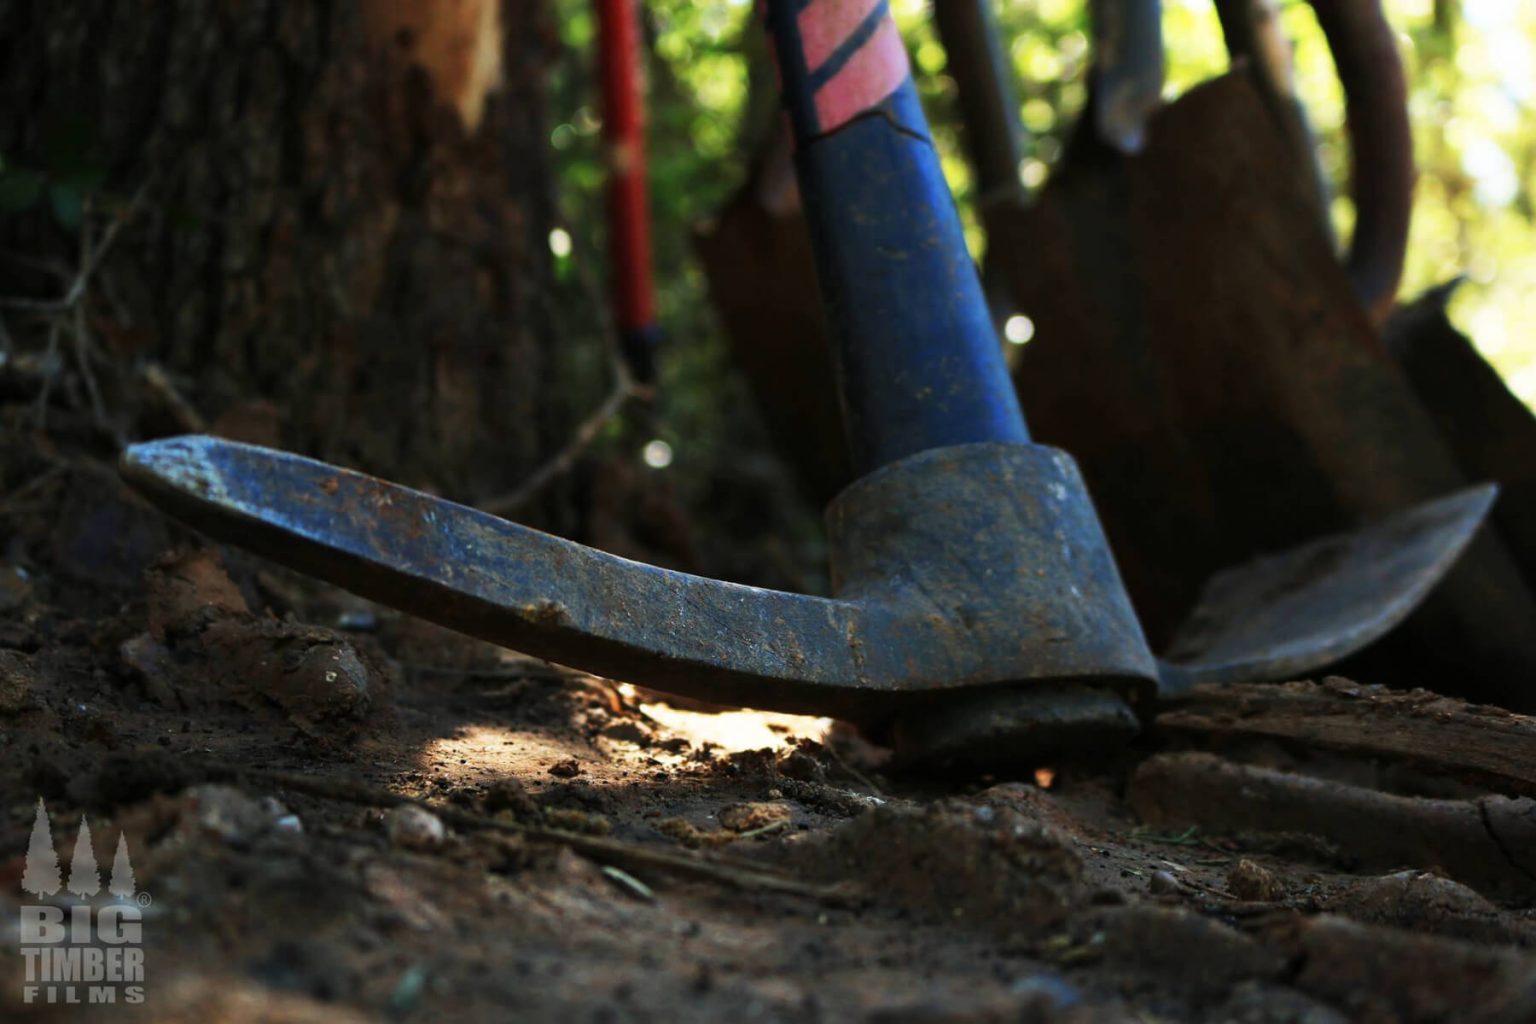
[(335, 813)]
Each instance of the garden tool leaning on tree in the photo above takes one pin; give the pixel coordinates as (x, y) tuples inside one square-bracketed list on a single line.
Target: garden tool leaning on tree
[(1202, 352), (978, 615), (629, 221)]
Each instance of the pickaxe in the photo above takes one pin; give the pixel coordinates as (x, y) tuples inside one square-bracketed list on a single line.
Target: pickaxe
[(977, 613)]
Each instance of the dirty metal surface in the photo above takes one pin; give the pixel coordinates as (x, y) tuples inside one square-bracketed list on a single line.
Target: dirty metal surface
[(967, 567), (979, 569), (1279, 617), (1015, 728)]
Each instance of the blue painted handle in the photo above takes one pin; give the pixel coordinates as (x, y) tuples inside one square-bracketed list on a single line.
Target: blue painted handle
[(917, 356)]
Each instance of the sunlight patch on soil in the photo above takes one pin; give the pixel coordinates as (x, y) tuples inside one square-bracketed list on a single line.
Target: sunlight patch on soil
[(494, 748), (738, 730)]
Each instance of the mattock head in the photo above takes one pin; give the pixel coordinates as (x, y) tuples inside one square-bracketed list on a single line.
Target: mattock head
[(979, 567), (978, 617)]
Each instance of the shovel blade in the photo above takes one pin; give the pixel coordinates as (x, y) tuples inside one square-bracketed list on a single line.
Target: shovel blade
[(1283, 615)]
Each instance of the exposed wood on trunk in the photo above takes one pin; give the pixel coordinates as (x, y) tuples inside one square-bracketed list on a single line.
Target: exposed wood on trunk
[(344, 248)]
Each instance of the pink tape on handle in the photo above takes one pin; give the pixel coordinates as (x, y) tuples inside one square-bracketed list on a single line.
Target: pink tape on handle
[(866, 77), (870, 76), (826, 23)]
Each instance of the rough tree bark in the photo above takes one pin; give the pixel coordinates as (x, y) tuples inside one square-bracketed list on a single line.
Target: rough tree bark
[(341, 242)]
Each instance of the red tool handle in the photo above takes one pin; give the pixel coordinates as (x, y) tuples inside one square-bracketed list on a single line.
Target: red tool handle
[(629, 224)]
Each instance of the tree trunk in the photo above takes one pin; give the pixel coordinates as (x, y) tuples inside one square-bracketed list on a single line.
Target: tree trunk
[(340, 241)]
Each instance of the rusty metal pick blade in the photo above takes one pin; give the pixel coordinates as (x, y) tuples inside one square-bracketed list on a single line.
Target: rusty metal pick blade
[(885, 646), (1281, 616), (509, 584)]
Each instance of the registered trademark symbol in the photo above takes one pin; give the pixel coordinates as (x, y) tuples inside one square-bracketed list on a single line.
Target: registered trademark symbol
[(144, 899)]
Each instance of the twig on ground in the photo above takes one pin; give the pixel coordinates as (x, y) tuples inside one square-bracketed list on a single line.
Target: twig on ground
[(623, 388), (630, 882), (67, 312), (83, 354), (842, 762), (739, 875), (1184, 838), (13, 501), (40, 412), (159, 381), (91, 256), (762, 830)]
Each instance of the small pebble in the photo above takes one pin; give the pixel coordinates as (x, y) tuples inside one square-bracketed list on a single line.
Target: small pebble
[(1046, 993), (411, 828), (357, 620), (15, 587), (1162, 883), (15, 683), (748, 817), (228, 814), (508, 795), (1253, 883)]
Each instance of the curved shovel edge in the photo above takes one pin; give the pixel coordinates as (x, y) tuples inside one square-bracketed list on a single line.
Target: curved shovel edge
[(1283, 615)]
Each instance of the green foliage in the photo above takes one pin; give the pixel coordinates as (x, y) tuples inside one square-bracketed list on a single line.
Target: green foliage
[(20, 188), (71, 172), (1470, 99), (697, 100), (1471, 95)]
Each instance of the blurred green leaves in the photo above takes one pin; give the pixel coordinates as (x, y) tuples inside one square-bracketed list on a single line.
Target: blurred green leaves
[(20, 188), (1472, 94), (71, 172)]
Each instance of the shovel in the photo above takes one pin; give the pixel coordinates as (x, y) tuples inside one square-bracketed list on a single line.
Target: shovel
[(977, 615), (1200, 350)]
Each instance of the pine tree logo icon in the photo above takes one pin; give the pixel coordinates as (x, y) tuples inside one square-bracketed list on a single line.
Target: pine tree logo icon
[(84, 875), (40, 877), (83, 947), (121, 885)]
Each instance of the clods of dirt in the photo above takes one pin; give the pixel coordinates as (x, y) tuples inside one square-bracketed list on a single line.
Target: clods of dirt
[(15, 684), (203, 644), (985, 863)]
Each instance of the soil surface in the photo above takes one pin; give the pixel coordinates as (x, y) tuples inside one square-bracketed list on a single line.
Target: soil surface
[(334, 812)]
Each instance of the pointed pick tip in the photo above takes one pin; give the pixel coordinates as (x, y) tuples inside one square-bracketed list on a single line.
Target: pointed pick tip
[(144, 458), (172, 468)]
